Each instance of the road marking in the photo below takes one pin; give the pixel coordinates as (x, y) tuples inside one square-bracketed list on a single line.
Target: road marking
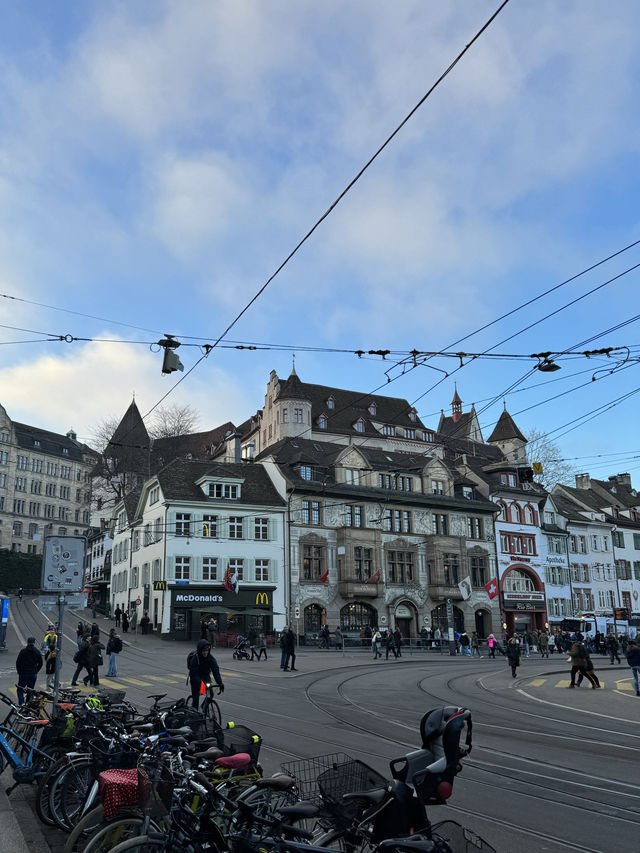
[(231, 674), (164, 679), (625, 685), (563, 683), (136, 681), (537, 682), (113, 682), (583, 711)]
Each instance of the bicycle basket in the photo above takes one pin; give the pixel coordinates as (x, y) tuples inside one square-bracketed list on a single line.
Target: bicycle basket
[(187, 717), (348, 778), (155, 788), (306, 771), (241, 739), (458, 838), (112, 756)]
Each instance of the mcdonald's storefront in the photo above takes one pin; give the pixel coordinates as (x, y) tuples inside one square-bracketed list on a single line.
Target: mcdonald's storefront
[(231, 612)]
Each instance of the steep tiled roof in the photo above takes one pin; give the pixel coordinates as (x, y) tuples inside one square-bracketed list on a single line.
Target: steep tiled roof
[(49, 442), (586, 497), (457, 429), (178, 481), (293, 389), (569, 508), (505, 429), (199, 445), (623, 495), (130, 442)]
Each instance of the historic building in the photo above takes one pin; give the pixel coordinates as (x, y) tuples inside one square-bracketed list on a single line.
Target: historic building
[(45, 485)]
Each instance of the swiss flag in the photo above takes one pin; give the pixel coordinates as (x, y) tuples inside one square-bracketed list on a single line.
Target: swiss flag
[(325, 577), (492, 588)]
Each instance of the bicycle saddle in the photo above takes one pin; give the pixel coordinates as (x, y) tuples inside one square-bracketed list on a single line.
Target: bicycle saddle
[(157, 696), (234, 762), (277, 782)]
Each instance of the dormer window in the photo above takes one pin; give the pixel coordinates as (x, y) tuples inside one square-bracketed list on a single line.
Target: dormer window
[(322, 422), (412, 415), (305, 472), (359, 426), (331, 403), (387, 429), (372, 409), (65, 450), (224, 491), (508, 479)]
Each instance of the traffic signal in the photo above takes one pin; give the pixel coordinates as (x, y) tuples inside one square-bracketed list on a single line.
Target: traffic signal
[(171, 362), (620, 614)]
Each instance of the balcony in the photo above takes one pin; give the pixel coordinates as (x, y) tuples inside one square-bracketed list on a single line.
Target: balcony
[(352, 587)]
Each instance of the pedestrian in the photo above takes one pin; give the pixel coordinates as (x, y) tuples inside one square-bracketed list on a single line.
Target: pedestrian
[(475, 644), (202, 664), (95, 630), (338, 639), (283, 647), (80, 658), (513, 655), (465, 643), (118, 614), (133, 622), (252, 636), (390, 643), (203, 629), (492, 643), (125, 622), (543, 644), (94, 606), (633, 659), (612, 648), (94, 660), (211, 632), (580, 663), (368, 634), (80, 630), (437, 637), (262, 645), (144, 623), (114, 647), (424, 637), (375, 640), (587, 671), (397, 636), (50, 655), (526, 639), (456, 639), (290, 649), (28, 665)]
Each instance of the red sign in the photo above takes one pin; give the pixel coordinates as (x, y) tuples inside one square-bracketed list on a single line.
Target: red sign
[(492, 588), (138, 602)]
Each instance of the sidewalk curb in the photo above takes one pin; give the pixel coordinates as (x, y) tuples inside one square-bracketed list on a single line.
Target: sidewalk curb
[(21, 830)]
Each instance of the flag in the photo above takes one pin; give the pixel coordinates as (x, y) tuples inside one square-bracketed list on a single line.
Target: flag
[(231, 582), (325, 577), (492, 588), (465, 587), (374, 577)]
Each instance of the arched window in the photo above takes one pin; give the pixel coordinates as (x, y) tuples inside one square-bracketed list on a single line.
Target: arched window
[(517, 581), (516, 515), (322, 422), (312, 619), (528, 515), (439, 619), (503, 512), (358, 615)]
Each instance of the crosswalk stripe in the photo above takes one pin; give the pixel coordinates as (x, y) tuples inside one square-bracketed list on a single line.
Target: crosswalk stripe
[(137, 682), (563, 683), (537, 682), (165, 680), (625, 685)]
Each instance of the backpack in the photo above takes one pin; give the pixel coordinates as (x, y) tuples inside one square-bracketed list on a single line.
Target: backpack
[(190, 657), (116, 645)]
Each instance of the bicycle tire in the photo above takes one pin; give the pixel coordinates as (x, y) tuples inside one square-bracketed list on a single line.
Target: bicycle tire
[(82, 773), (44, 788), (117, 831), (213, 716), (145, 844), (93, 821), (74, 793)]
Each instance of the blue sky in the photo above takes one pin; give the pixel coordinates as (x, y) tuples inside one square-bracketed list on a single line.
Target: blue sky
[(159, 160)]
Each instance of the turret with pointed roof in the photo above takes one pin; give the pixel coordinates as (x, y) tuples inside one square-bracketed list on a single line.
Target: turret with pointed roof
[(127, 455), (509, 439)]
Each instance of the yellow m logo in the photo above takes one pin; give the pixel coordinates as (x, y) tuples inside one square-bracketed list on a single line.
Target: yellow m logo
[(262, 598)]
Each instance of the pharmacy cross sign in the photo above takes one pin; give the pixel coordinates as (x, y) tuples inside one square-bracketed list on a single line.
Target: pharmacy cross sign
[(492, 588)]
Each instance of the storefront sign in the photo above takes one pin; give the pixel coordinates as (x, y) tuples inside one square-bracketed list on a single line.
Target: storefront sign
[(246, 597), (526, 605), (207, 599), (523, 596)]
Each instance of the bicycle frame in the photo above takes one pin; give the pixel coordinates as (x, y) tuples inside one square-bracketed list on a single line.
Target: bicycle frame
[(16, 762)]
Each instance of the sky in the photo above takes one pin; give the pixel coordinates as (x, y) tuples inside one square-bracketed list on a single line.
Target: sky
[(159, 161)]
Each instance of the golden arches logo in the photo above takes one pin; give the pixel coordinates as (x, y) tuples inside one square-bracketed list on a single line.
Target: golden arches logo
[(262, 598)]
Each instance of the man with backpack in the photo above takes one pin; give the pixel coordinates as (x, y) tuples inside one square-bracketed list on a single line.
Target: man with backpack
[(202, 664), (28, 665), (114, 647)]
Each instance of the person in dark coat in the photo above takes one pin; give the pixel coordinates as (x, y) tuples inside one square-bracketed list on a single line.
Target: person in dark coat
[(397, 636), (95, 630), (125, 622), (513, 655), (28, 665), (612, 647), (283, 647), (252, 636), (390, 643), (80, 630), (144, 623), (118, 614), (201, 667), (94, 658), (633, 659), (290, 649), (80, 658)]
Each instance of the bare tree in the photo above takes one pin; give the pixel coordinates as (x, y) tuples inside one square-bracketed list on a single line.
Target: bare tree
[(171, 421), (554, 468)]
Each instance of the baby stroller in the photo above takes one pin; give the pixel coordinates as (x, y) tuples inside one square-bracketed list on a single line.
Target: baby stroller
[(240, 651)]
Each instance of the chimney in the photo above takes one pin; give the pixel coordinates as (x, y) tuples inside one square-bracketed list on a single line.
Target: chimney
[(621, 480), (583, 481)]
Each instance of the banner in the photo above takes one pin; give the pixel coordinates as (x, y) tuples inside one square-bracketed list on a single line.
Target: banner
[(465, 587)]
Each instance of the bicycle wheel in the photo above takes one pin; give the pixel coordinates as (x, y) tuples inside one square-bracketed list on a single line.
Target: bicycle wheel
[(145, 844), (91, 823), (119, 830), (212, 715), (73, 783), (44, 790)]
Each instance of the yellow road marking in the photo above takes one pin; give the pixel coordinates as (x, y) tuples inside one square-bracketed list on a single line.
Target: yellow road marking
[(563, 683), (136, 681), (165, 680), (537, 682), (625, 685)]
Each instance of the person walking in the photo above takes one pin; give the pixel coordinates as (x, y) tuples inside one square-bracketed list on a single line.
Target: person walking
[(633, 659), (513, 655), (202, 664), (133, 622), (581, 663), (465, 643), (114, 647), (612, 647), (95, 630), (397, 636), (475, 644), (252, 636), (118, 614), (50, 655), (492, 643), (144, 623), (375, 640), (543, 644), (283, 647), (211, 632), (338, 639), (290, 649), (261, 644), (125, 622), (94, 660), (28, 665), (80, 658), (587, 671), (390, 643), (437, 637), (80, 632)]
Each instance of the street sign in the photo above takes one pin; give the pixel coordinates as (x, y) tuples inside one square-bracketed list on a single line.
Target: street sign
[(62, 563), (138, 602), (50, 602), (297, 612)]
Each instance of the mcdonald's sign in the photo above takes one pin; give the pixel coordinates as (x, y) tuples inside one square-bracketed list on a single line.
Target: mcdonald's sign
[(159, 585), (262, 598)]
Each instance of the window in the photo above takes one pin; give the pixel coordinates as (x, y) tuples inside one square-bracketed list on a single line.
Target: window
[(305, 472), (582, 544), (516, 515), (359, 426), (618, 539), (4, 436), (157, 529), (312, 562), (18, 506), (270, 430), (4, 457), (223, 491), (210, 526), (474, 528), (530, 518), (331, 403), (183, 568), (209, 568), (2, 503), (236, 567), (78, 495), (65, 450), (155, 569), (362, 563), (623, 570), (372, 409), (595, 543), (22, 463), (398, 521), (310, 512), (451, 565), (21, 484), (298, 416), (236, 527), (183, 524), (147, 535), (3, 481), (409, 432), (516, 581), (399, 567), (17, 528), (352, 476), (65, 493), (36, 466), (154, 495), (555, 545), (134, 576), (437, 487), (52, 469), (353, 515), (261, 528), (50, 490), (322, 422), (388, 429), (34, 508), (516, 543), (135, 540), (549, 517), (478, 571), (65, 472), (508, 479), (439, 524), (48, 510), (145, 574), (33, 529), (262, 570), (285, 416)]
